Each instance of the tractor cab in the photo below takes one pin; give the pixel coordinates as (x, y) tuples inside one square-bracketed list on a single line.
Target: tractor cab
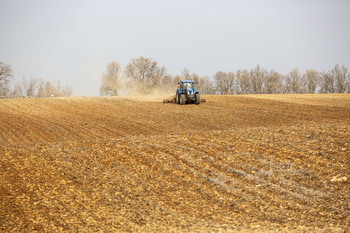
[(187, 87)]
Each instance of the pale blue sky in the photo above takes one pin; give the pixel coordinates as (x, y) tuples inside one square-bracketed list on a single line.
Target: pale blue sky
[(73, 40)]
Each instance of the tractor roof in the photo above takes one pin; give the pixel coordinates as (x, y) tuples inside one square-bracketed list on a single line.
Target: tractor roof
[(187, 81)]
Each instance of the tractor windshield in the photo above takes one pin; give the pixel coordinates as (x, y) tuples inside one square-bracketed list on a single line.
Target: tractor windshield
[(188, 85)]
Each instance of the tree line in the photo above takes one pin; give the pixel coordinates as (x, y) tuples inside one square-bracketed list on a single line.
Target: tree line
[(144, 76), (30, 87)]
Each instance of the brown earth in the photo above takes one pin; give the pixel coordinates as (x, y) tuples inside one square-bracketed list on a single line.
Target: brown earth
[(235, 163)]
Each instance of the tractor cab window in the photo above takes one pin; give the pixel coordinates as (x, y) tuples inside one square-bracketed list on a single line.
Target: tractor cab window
[(187, 85)]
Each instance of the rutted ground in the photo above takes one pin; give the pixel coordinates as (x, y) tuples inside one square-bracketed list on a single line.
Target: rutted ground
[(235, 163)]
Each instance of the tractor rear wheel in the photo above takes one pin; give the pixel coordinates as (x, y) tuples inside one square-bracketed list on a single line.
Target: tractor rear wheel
[(198, 99), (182, 99)]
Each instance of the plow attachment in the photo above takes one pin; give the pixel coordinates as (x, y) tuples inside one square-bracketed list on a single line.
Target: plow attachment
[(172, 99), (169, 100)]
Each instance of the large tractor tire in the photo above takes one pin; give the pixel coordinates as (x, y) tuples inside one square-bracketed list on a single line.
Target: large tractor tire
[(177, 98), (182, 99), (198, 99)]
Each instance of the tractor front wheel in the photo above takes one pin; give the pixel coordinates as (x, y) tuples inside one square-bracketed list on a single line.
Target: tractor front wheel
[(182, 99)]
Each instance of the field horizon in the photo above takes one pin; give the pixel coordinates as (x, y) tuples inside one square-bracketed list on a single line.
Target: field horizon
[(233, 164)]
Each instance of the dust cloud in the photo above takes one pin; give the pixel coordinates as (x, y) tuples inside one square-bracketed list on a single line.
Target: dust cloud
[(158, 93)]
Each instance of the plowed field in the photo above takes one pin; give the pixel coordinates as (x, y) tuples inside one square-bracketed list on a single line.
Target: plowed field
[(233, 164)]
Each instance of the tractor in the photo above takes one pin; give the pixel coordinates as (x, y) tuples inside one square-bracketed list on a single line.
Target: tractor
[(186, 93)]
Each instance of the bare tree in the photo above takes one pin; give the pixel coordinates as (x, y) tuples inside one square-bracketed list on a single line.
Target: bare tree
[(30, 86), (159, 74), (206, 85), (49, 89), (311, 78), (287, 86), (224, 82), (195, 77), (340, 77), (185, 74), (111, 80), (220, 80), (273, 83), (294, 82), (41, 89), (18, 90), (62, 91), (327, 83), (335, 81), (144, 73), (257, 79), (5, 76), (167, 83), (38, 88), (243, 82)]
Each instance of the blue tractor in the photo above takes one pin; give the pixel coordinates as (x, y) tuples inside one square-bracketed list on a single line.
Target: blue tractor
[(186, 93)]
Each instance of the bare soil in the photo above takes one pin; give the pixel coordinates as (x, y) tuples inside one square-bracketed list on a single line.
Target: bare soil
[(233, 164)]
